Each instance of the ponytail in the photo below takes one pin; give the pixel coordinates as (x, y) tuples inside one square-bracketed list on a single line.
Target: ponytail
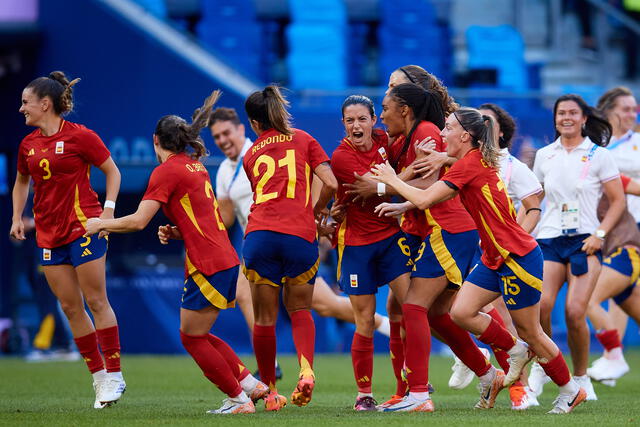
[(482, 129), (269, 108), (175, 135), (57, 87)]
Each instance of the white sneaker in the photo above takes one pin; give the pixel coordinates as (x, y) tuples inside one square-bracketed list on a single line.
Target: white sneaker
[(462, 375), (234, 406), (111, 388), (608, 383), (585, 382), (537, 379), (489, 389), (97, 388), (565, 403), (409, 404), (608, 369), (531, 397), (519, 356)]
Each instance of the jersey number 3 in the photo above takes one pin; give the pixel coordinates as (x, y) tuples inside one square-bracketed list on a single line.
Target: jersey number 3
[(288, 161)]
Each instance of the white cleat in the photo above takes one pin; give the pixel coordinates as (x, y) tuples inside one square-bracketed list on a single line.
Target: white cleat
[(233, 406), (462, 375), (111, 389), (409, 404), (490, 389), (537, 379), (565, 403), (97, 386), (519, 356), (608, 369), (531, 397), (584, 382), (609, 383)]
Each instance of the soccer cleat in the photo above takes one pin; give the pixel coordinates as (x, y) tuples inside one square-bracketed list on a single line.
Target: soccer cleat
[(410, 404), (462, 375), (608, 369), (392, 401), (274, 401), (609, 383), (259, 391), (301, 396), (489, 391), (97, 385), (112, 389), (531, 398), (365, 403), (537, 379), (519, 398), (565, 403), (231, 406), (585, 382), (519, 356)]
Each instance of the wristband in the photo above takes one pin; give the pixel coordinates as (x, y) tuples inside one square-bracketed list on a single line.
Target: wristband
[(382, 189), (109, 204), (533, 209)]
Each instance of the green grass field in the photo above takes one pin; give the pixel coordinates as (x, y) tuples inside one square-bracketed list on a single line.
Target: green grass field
[(172, 391)]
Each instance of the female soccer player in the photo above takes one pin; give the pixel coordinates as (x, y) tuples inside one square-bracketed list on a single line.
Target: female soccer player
[(371, 250), (443, 242), (575, 170), (511, 263), (181, 186), (280, 246), (58, 156)]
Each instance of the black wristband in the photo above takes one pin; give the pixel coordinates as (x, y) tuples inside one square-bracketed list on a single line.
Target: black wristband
[(532, 209)]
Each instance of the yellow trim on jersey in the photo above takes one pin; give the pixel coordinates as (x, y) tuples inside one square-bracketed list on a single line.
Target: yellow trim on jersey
[(523, 274), (486, 192), (503, 251), (442, 253), (256, 279), (342, 231), (635, 264), (76, 206), (307, 174), (304, 277), (44, 337), (186, 205), (211, 293)]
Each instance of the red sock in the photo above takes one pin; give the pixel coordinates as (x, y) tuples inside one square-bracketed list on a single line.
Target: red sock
[(362, 360), (496, 335), (460, 343), (557, 370), (110, 346), (396, 350), (609, 338), (418, 347), (211, 363), (304, 336), (233, 361), (88, 348), (501, 355), (264, 345)]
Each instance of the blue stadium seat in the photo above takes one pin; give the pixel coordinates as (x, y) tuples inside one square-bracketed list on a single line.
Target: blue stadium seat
[(318, 11)]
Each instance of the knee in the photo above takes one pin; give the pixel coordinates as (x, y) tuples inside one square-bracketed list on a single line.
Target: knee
[(546, 307), (71, 309), (97, 304), (366, 326), (322, 309), (459, 314), (575, 315)]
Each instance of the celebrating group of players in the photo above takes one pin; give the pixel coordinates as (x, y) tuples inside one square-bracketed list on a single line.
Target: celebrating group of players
[(436, 207)]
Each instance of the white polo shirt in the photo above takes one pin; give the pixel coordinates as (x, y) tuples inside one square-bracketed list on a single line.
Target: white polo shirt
[(521, 182), (561, 174), (232, 184), (626, 153)]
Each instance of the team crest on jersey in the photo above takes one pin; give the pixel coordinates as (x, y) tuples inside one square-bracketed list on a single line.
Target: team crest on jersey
[(353, 279), (31, 152), (383, 154), (60, 147), (583, 159), (46, 254)]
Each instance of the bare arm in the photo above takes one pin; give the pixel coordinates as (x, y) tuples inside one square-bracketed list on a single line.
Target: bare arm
[(529, 213), (126, 224), (226, 212), (113, 178), (19, 198), (617, 204), (323, 171)]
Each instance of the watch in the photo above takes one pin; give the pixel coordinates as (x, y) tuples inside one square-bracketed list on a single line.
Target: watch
[(600, 234)]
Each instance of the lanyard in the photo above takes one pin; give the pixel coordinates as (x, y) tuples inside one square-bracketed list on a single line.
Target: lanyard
[(622, 140), (585, 168), (235, 173), (507, 175)]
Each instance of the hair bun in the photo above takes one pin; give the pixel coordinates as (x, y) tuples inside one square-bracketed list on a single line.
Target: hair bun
[(60, 77)]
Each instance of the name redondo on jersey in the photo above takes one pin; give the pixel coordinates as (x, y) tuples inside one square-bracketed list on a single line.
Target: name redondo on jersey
[(195, 167), (275, 138)]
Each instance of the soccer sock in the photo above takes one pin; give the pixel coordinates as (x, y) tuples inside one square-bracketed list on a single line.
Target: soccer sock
[(211, 363), (264, 346), (418, 348), (362, 360), (235, 364), (557, 370), (304, 336), (110, 346), (501, 356), (396, 350), (88, 348), (609, 338), (460, 343), (496, 335)]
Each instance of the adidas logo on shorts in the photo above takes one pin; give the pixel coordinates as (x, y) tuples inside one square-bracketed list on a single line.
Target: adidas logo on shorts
[(85, 252)]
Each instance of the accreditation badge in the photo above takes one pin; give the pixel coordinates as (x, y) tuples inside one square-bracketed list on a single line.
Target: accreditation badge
[(570, 217)]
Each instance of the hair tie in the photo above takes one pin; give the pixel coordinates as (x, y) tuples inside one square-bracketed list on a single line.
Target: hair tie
[(407, 74), (264, 92)]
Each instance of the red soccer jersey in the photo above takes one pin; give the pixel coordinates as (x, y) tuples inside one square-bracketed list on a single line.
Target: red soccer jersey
[(60, 165), (450, 215), (361, 226), (183, 187), (279, 167), (484, 194)]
